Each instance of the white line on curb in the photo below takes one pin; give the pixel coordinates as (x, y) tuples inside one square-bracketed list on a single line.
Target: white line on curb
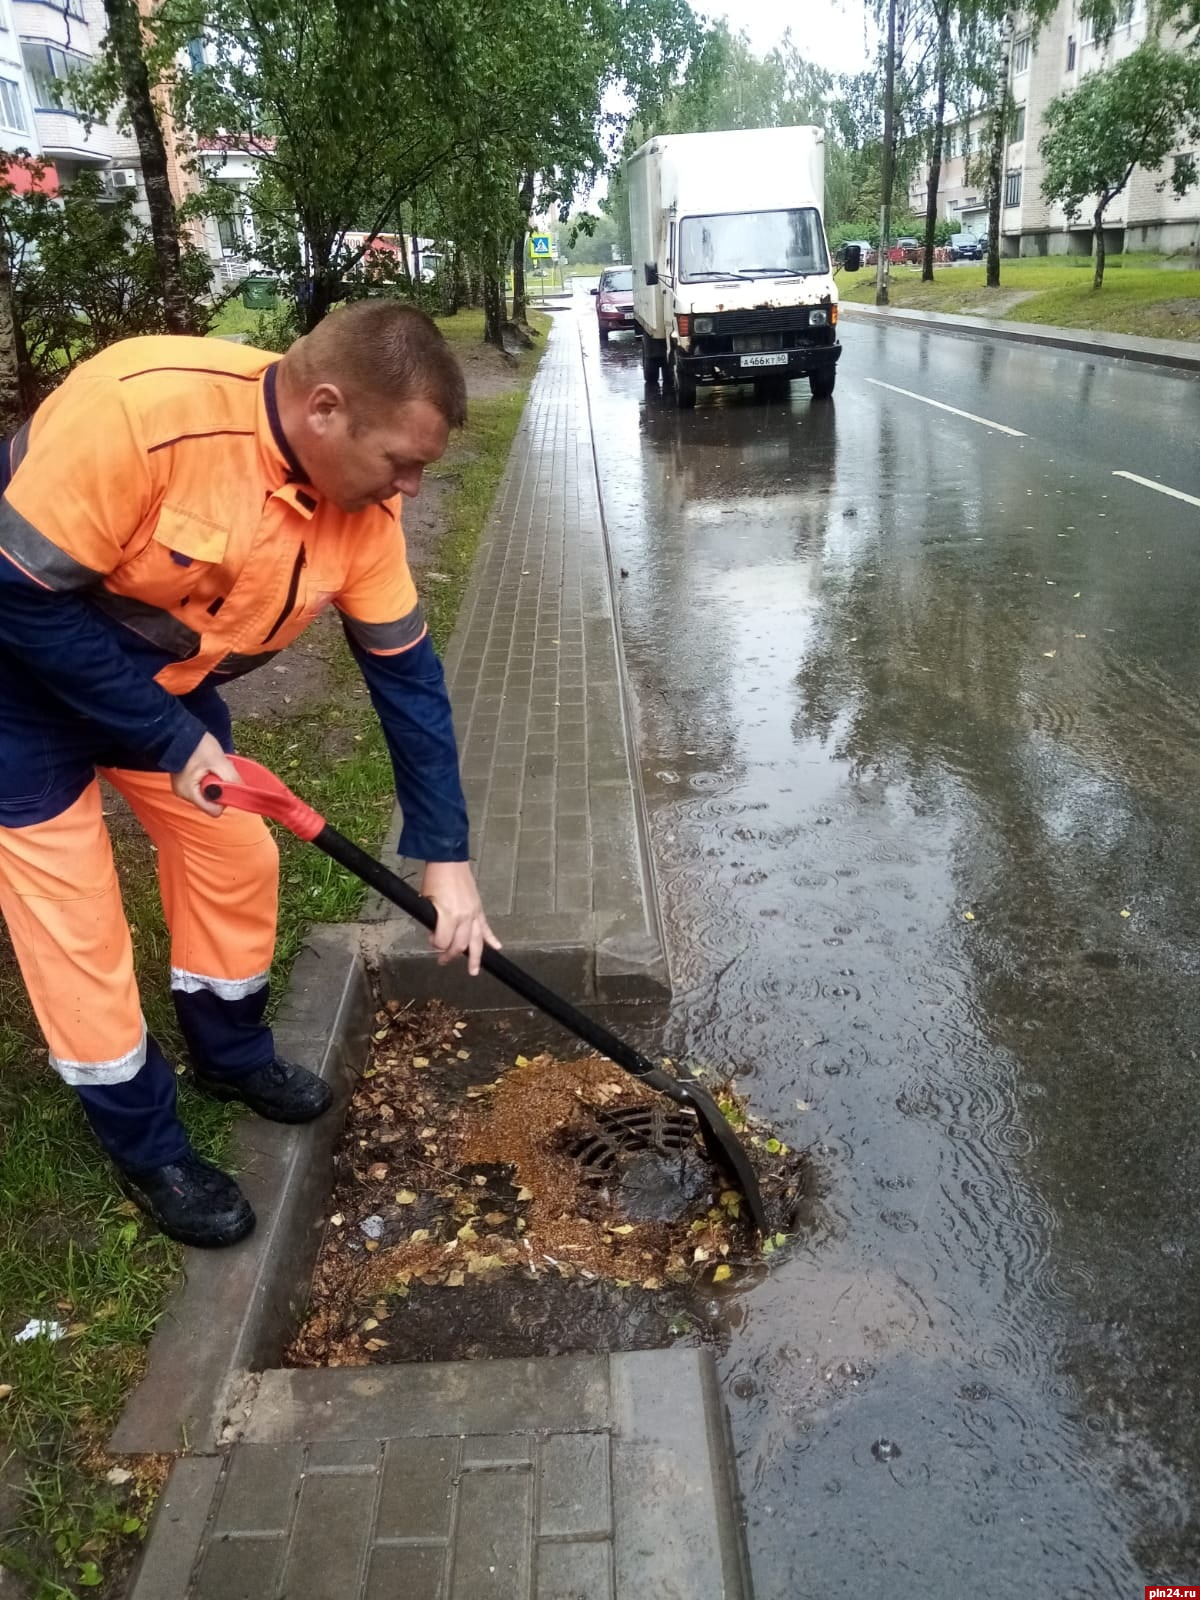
[(1163, 488), (1000, 427)]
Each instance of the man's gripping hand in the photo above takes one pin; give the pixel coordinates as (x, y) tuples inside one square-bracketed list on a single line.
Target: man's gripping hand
[(461, 925), (205, 758)]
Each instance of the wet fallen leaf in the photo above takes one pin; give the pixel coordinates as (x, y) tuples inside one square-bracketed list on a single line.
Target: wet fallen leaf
[(370, 1324), (466, 1233), (419, 1236), (477, 1264), (1126, 913), (626, 1227), (382, 1034), (522, 1061), (420, 1061), (427, 1133), (722, 1274), (701, 1254), (968, 916), (375, 1344), (405, 1197), (652, 1283), (338, 1220), (456, 1279), (1050, 654), (464, 1055), (495, 1219), (480, 1181), (1081, 635), (524, 1194), (1076, 595), (377, 1171), (773, 1147), (370, 1244)]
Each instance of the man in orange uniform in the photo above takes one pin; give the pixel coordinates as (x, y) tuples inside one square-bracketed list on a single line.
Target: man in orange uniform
[(173, 516)]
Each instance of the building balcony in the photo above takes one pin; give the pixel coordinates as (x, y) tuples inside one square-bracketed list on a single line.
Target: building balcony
[(63, 137)]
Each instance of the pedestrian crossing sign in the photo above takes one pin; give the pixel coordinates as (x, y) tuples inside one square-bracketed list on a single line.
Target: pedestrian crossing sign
[(539, 246)]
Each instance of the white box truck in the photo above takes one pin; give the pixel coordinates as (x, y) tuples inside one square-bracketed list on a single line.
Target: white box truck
[(732, 281)]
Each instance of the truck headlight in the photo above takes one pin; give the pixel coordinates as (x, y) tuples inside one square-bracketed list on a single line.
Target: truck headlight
[(818, 319), (702, 325)]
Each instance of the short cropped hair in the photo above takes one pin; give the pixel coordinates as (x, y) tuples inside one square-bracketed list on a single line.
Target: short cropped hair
[(382, 350)]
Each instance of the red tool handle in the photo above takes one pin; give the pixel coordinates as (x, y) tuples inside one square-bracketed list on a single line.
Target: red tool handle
[(266, 795)]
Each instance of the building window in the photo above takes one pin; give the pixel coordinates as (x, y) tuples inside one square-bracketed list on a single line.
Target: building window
[(47, 66), (195, 54), (1020, 55), (1071, 54), (232, 231), (950, 147), (12, 113), (1125, 15), (1012, 189), (1017, 124)]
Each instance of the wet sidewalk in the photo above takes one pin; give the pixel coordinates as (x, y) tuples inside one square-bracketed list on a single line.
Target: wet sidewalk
[(574, 1478), (540, 706)]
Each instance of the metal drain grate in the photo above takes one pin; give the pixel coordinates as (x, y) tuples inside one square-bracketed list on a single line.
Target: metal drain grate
[(628, 1131)]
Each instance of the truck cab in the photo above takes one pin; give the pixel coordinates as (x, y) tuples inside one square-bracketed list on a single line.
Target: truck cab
[(733, 281)]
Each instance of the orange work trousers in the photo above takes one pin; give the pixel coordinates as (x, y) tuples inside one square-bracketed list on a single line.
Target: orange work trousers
[(219, 879)]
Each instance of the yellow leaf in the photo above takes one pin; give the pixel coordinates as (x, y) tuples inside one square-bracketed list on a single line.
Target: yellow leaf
[(456, 1279), (370, 1324), (428, 1133), (626, 1227), (480, 1181), (405, 1197), (522, 1061), (968, 916), (375, 1344), (338, 1220), (464, 1055), (466, 1233), (371, 1244), (1050, 654), (420, 1061), (419, 1237), (524, 1194), (1076, 595), (652, 1283), (1081, 635), (1127, 913), (701, 1254), (722, 1273), (496, 1219), (382, 1034)]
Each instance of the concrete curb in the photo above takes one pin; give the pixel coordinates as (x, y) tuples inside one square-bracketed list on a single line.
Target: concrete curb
[(1176, 354), (236, 1308)]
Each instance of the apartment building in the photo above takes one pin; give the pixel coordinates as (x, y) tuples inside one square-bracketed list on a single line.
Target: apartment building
[(1042, 67)]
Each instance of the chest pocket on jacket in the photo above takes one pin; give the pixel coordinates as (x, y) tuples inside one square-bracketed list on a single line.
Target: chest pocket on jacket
[(180, 563), (183, 534)]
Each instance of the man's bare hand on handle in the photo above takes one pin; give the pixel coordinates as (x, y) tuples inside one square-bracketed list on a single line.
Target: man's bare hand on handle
[(205, 758), (461, 925)]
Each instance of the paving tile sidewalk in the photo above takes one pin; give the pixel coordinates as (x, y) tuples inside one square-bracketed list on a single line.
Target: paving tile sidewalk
[(574, 1478), (541, 709), (1182, 354)]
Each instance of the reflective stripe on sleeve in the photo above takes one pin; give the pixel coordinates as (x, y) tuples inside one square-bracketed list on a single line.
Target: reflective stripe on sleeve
[(38, 557), (387, 638)]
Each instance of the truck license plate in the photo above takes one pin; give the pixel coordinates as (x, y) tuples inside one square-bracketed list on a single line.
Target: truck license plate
[(776, 358)]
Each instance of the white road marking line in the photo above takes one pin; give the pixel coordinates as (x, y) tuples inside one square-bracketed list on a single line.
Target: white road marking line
[(1163, 488), (970, 415)]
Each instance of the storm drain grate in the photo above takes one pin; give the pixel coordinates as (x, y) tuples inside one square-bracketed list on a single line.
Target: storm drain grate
[(629, 1131)]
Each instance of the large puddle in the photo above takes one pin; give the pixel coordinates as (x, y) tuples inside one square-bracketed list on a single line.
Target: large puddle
[(920, 735)]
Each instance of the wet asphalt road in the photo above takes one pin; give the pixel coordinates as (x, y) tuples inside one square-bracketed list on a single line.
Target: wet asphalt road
[(919, 717)]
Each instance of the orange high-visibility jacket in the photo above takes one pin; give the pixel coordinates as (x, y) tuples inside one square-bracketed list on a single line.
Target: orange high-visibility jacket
[(158, 510)]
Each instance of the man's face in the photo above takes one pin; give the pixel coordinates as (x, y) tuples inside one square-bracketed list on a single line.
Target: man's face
[(358, 460)]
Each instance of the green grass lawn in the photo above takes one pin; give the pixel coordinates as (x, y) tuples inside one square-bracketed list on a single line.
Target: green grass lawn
[(71, 1250), (1139, 295)]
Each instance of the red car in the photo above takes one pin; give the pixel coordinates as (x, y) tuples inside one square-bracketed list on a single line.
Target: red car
[(614, 301)]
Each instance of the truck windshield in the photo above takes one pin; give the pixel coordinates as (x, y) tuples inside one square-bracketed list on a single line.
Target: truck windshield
[(752, 242)]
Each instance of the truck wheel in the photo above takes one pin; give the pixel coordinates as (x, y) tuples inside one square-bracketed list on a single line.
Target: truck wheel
[(685, 387), (821, 384), (603, 335), (651, 363)]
